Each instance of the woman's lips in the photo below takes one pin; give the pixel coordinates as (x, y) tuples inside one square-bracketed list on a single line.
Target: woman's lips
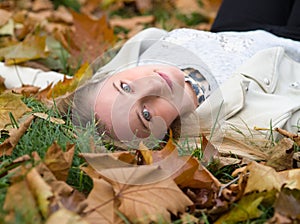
[(166, 78)]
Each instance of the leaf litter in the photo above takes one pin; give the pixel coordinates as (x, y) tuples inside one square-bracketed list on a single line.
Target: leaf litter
[(141, 185)]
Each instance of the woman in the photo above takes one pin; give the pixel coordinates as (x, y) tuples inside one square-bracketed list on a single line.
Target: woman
[(149, 84), (161, 78)]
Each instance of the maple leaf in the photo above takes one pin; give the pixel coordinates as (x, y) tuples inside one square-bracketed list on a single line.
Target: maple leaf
[(11, 103), (59, 162), (33, 47), (139, 190), (101, 203), (144, 202), (90, 38), (69, 85)]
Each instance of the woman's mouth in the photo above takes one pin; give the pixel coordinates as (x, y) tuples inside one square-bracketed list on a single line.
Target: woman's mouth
[(166, 78)]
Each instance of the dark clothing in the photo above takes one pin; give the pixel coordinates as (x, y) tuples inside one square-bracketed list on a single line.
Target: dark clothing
[(280, 17)]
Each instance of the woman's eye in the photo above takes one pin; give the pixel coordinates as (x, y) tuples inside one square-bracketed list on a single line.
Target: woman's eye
[(146, 114), (125, 87)]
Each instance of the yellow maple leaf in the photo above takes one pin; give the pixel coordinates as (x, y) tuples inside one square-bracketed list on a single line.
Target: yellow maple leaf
[(70, 84)]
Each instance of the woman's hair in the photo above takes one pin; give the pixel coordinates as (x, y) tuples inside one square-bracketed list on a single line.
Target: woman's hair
[(83, 99)]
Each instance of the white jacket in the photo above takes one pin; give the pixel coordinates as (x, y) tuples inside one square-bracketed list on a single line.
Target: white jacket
[(264, 92)]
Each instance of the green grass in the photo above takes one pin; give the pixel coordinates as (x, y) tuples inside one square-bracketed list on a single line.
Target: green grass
[(39, 137)]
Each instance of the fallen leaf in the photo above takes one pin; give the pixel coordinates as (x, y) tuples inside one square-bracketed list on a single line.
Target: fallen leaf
[(49, 118), (33, 47), (90, 38), (42, 5), (245, 209), (101, 208), (144, 5), (41, 191), (66, 197), (8, 28), (187, 218), (209, 151), (20, 204), (293, 136), (281, 155), (64, 216), (4, 16), (139, 188), (61, 14), (11, 103), (69, 85), (26, 90), (132, 22), (291, 178), (262, 178), (2, 85), (59, 162), (288, 203), (15, 134)]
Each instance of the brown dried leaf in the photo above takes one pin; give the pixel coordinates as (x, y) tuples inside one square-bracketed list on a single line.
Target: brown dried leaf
[(2, 85), (231, 146), (26, 90), (20, 200), (209, 150), (42, 5), (144, 5), (293, 136), (66, 198), (291, 178), (132, 22), (101, 203), (9, 144), (139, 188), (47, 117), (262, 178), (59, 162), (64, 216), (61, 15), (281, 155), (4, 16), (90, 38), (288, 203), (11, 103)]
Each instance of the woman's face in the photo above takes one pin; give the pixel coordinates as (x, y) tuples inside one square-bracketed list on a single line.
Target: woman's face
[(142, 101)]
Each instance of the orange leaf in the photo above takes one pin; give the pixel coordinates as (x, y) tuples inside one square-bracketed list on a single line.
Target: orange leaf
[(90, 38)]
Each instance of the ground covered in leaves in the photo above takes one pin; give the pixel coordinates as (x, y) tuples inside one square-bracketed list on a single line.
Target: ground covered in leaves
[(51, 172)]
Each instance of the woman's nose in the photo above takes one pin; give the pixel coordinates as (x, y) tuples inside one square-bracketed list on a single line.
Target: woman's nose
[(151, 86)]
